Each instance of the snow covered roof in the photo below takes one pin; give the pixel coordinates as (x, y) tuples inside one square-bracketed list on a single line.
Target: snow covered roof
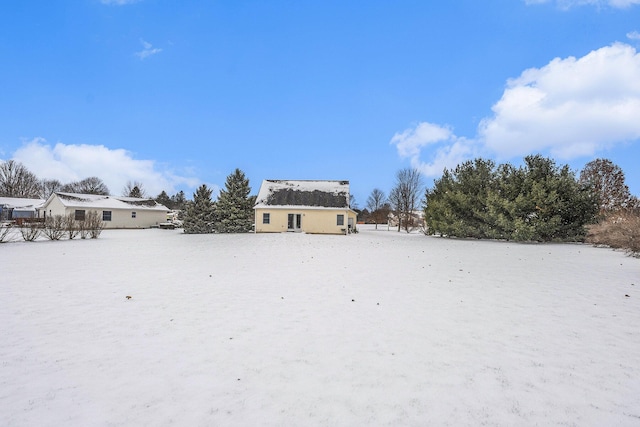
[(20, 203), (303, 193), (98, 201)]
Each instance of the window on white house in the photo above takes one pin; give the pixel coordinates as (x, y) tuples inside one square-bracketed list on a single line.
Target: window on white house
[(79, 215), (133, 214), (106, 215), (340, 219), (266, 218)]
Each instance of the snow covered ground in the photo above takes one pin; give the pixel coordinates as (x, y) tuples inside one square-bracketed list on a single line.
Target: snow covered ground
[(378, 328)]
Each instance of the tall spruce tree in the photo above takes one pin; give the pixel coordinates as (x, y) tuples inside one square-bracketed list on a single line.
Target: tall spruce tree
[(234, 209), (199, 217)]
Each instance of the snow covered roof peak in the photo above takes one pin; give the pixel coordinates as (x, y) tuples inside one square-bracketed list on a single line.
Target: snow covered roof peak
[(99, 201), (308, 193)]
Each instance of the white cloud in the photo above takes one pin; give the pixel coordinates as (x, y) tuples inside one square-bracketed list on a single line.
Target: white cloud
[(411, 141), (633, 35), (566, 4), (571, 107), (114, 167), (448, 149), (147, 50)]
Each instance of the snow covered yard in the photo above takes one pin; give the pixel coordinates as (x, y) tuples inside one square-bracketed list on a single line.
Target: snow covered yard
[(378, 328)]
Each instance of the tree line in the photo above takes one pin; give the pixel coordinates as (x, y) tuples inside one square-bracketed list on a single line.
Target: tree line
[(538, 201), (19, 182)]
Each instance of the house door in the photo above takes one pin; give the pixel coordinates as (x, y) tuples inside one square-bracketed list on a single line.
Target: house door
[(294, 222)]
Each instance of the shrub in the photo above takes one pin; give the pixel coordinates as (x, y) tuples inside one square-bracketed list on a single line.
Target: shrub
[(94, 224), (618, 230), (54, 227), (5, 233), (30, 231), (71, 226)]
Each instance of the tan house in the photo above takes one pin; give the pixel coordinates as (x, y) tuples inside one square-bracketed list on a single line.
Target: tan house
[(115, 212), (320, 207)]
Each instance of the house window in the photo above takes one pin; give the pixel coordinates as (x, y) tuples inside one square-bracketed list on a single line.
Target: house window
[(106, 215), (340, 219), (133, 214), (79, 215), (266, 218)]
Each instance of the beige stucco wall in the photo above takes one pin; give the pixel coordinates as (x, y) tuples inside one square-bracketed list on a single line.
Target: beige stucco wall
[(120, 218), (318, 221)]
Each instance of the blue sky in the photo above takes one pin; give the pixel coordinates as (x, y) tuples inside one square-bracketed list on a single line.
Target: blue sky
[(177, 94)]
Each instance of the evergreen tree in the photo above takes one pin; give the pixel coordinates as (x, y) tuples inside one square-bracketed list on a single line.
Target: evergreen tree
[(179, 200), (234, 209), (134, 189), (199, 217), (164, 199), (538, 201)]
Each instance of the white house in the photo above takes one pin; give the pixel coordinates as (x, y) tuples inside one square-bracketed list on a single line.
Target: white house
[(310, 206), (115, 211)]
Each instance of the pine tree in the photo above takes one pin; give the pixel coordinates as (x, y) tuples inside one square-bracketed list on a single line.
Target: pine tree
[(179, 201), (199, 217), (164, 199), (538, 201), (234, 209)]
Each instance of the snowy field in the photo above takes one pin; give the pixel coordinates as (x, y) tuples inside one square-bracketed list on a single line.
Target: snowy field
[(379, 328)]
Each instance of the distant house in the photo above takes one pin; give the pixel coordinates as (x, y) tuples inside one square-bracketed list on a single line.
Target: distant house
[(115, 212), (320, 207), (17, 209)]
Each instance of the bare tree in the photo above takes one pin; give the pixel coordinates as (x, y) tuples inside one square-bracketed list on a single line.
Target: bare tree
[(608, 183), (395, 203), (353, 204), (17, 181), (48, 187), (91, 185), (405, 197), (134, 189), (376, 202)]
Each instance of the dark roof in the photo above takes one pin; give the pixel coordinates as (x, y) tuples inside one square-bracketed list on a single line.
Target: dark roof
[(326, 194), (315, 198)]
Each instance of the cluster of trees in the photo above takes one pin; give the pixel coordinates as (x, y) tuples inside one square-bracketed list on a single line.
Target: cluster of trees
[(402, 203), (232, 212), (538, 201), (18, 181), (176, 202)]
